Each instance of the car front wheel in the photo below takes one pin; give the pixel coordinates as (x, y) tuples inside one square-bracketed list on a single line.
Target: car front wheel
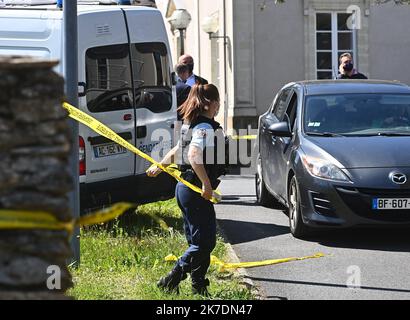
[(263, 196), (297, 226)]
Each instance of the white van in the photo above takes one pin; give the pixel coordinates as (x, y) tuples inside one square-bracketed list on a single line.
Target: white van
[(126, 82)]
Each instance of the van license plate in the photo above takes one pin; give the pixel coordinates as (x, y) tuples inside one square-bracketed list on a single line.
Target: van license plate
[(108, 150), (391, 203)]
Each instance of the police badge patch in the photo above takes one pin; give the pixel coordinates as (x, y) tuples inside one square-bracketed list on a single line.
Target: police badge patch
[(200, 133)]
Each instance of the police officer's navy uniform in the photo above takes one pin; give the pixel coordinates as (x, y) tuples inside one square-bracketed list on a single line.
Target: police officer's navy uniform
[(198, 213)]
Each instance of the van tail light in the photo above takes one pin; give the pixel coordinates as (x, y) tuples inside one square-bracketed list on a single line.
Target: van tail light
[(81, 156)]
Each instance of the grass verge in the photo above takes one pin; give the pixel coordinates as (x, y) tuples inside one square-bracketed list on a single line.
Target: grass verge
[(125, 259)]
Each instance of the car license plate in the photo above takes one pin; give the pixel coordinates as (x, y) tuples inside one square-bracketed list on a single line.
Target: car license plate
[(108, 150), (391, 203)]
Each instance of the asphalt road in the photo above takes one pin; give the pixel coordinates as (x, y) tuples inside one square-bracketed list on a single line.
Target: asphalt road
[(360, 264)]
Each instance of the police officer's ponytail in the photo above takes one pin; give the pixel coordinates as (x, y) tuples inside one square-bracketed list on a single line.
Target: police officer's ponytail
[(198, 100)]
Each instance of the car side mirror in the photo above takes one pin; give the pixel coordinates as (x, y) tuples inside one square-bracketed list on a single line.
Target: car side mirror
[(280, 129)]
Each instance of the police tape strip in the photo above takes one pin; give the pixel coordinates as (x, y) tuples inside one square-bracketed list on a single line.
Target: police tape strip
[(248, 137), (223, 265), (105, 215), (13, 219), (112, 213), (103, 130), (21, 219)]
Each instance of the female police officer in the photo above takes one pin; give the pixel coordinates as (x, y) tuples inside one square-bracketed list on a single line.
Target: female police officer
[(197, 139)]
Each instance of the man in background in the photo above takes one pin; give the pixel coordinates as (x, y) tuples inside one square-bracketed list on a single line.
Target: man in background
[(346, 68), (192, 79), (183, 89)]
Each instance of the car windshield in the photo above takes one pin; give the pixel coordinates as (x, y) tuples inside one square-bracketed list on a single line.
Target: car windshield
[(357, 114)]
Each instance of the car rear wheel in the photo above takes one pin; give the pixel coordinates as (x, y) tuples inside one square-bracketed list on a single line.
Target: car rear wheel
[(297, 226), (263, 196)]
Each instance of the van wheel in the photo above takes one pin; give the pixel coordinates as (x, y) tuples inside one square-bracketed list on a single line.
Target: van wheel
[(263, 196), (297, 226)]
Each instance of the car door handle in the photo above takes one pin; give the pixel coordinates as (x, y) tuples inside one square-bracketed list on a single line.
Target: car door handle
[(274, 139), (171, 123), (141, 132)]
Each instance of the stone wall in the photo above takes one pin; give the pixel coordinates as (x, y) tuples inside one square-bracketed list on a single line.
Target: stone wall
[(34, 151)]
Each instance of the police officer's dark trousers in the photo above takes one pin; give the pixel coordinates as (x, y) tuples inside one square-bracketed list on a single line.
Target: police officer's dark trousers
[(200, 231)]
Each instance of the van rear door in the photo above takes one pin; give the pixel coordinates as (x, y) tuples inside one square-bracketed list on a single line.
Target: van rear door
[(154, 93), (105, 69)]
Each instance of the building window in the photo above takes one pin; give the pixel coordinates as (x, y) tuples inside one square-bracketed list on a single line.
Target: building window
[(333, 37)]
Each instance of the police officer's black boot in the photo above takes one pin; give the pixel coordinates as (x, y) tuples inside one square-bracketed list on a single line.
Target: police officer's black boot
[(170, 282), (198, 272), (199, 287)]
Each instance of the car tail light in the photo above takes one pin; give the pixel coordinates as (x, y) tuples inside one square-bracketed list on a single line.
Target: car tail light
[(81, 156), (127, 117)]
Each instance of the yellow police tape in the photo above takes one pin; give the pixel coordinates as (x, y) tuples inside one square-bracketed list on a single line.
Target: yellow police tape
[(13, 219), (103, 130), (19, 219), (248, 137), (223, 265)]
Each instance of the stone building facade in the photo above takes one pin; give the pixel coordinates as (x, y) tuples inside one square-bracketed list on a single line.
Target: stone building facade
[(269, 45)]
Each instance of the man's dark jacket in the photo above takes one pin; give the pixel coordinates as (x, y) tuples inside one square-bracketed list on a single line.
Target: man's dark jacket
[(357, 75), (182, 92), (200, 80)]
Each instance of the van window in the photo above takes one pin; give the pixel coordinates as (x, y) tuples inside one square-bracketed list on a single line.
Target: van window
[(108, 77), (152, 81)]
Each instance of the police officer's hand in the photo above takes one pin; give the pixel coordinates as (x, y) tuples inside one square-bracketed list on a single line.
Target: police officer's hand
[(207, 191), (153, 171)]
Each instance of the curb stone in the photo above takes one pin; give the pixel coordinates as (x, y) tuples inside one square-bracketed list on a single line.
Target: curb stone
[(241, 272)]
